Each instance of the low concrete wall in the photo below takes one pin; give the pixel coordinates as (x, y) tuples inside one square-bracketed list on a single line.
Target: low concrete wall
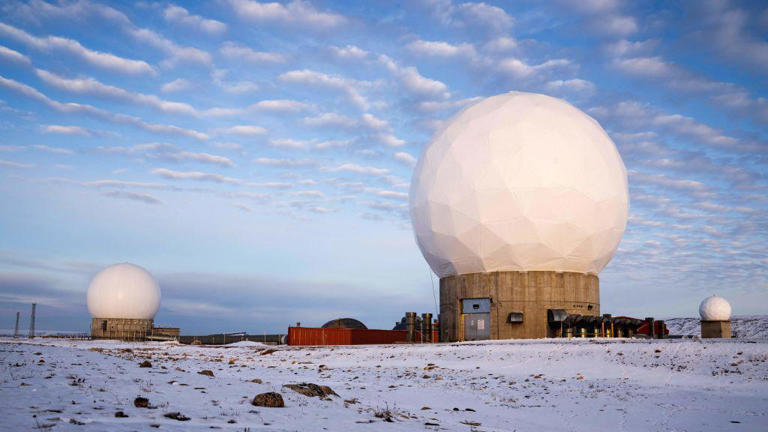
[(166, 331)]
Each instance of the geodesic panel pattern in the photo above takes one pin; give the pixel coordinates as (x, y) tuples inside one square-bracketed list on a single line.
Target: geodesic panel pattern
[(519, 182)]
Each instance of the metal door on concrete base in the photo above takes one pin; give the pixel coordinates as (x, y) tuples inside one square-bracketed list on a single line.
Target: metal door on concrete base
[(477, 318)]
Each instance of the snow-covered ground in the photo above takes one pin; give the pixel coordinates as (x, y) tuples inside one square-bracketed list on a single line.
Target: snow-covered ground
[(742, 327), (540, 385)]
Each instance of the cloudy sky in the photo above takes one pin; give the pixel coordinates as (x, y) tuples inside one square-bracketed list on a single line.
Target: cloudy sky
[(256, 157)]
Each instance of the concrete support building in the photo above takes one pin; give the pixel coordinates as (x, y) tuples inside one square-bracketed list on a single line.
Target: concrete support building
[(512, 305), (517, 205), (121, 328)]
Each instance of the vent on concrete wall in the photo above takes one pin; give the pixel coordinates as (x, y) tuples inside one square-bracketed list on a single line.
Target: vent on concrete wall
[(556, 315)]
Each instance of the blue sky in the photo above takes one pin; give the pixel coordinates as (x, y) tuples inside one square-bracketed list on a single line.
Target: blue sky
[(256, 157)]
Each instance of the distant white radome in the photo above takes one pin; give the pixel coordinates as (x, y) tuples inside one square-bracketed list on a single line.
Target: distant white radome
[(519, 182), (715, 308), (123, 291)]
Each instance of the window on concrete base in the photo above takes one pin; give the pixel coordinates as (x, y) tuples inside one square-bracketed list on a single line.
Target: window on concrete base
[(475, 305), (515, 317)]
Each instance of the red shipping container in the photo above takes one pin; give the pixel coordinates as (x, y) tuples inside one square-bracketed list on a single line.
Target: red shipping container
[(304, 336)]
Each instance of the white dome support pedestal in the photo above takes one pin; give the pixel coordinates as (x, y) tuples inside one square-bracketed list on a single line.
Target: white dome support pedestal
[(121, 328), (715, 315), (715, 329), (519, 302), (517, 205)]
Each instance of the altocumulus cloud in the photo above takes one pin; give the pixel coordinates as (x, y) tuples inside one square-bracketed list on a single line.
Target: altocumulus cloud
[(318, 111)]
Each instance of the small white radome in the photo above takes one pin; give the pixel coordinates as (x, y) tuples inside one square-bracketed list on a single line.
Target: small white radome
[(715, 308), (519, 182), (123, 291)]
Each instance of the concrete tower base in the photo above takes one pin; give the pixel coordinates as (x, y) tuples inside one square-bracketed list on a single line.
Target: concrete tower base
[(511, 304), (121, 328), (716, 329)]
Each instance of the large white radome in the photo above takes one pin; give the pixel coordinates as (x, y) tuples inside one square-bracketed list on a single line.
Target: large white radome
[(519, 182), (715, 308), (123, 291)]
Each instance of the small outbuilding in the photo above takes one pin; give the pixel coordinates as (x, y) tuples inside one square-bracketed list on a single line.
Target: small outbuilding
[(715, 313), (347, 323)]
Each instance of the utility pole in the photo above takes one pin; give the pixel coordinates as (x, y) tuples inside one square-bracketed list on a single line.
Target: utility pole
[(32, 322), (16, 328)]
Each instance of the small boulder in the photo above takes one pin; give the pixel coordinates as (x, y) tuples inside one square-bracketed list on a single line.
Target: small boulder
[(120, 414), (206, 372), (268, 400), (141, 402), (176, 416), (256, 380), (311, 390), (145, 364)]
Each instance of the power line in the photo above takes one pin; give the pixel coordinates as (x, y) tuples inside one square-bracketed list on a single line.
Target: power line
[(432, 281)]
